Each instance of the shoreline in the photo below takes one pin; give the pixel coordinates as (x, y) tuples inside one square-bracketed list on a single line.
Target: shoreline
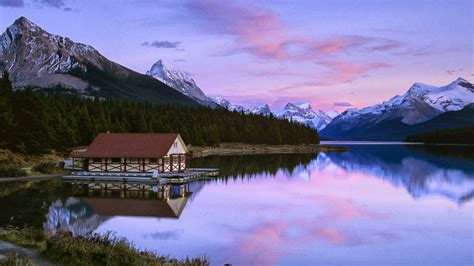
[(248, 149), (32, 177), (222, 149)]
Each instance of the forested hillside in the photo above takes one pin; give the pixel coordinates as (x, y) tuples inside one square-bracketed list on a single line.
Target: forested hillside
[(34, 122), (458, 135)]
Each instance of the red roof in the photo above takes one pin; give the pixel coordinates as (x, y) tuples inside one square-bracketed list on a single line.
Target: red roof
[(130, 145)]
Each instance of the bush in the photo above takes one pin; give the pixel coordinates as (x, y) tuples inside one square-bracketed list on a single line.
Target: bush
[(14, 259), (105, 250), (10, 165), (64, 249), (47, 168)]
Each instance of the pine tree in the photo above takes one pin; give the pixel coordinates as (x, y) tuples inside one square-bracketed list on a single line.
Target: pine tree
[(6, 114)]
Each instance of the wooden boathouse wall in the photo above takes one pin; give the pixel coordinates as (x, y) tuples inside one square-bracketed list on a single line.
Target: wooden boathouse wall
[(171, 163)]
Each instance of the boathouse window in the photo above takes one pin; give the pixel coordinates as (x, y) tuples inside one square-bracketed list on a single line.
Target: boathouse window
[(96, 160), (175, 144), (115, 160)]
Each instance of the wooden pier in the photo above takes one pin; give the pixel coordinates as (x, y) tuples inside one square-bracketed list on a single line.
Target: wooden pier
[(186, 176)]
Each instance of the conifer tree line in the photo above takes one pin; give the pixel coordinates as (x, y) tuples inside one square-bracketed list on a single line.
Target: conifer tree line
[(36, 122)]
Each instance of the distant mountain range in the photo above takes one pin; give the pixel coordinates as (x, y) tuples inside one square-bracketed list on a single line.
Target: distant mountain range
[(423, 108), (298, 112), (39, 59), (45, 61)]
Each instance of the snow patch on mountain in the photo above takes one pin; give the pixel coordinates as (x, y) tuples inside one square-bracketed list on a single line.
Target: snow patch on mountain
[(261, 110), (420, 103), (178, 80), (41, 52), (229, 106), (298, 112), (301, 112)]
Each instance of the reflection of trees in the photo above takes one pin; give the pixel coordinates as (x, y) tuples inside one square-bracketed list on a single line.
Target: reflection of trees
[(239, 166), (29, 205), (455, 151)]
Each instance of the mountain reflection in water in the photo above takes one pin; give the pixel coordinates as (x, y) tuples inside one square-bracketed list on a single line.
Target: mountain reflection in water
[(421, 173), (371, 204)]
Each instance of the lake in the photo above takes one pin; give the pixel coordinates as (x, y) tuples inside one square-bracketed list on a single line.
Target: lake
[(372, 205)]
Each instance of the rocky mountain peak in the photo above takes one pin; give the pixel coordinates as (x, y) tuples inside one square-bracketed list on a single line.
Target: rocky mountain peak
[(36, 58), (25, 24), (179, 80), (261, 110), (419, 104)]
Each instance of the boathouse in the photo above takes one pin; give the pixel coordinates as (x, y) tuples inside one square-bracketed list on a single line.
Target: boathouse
[(134, 152)]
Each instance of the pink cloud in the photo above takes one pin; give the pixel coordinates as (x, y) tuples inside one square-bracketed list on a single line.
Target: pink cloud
[(338, 72), (257, 30), (343, 71), (261, 32)]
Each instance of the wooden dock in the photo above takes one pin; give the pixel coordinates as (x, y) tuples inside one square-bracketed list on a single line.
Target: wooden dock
[(186, 176)]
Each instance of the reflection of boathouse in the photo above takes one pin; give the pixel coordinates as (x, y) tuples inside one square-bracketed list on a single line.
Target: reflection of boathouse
[(134, 152), (83, 213), (165, 201)]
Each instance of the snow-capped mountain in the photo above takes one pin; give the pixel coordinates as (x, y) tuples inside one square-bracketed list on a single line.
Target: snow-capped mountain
[(179, 80), (421, 103), (301, 112), (229, 106), (34, 57), (29, 52), (298, 112), (261, 110), (333, 113)]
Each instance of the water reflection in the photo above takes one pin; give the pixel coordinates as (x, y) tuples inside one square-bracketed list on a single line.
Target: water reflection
[(248, 166), (92, 205), (364, 206), (72, 216), (421, 173)]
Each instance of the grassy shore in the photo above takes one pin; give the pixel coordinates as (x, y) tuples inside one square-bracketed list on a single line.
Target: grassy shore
[(20, 165), (242, 149), (90, 250)]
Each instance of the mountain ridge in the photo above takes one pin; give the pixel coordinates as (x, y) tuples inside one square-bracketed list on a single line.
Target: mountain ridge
[(300, 112), (403, 114), (180, 81), (36, 58)]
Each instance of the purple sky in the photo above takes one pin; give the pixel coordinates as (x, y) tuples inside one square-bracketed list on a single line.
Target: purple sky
[(333, 53)]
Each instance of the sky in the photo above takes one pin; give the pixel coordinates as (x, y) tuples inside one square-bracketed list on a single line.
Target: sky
[(335, 54)]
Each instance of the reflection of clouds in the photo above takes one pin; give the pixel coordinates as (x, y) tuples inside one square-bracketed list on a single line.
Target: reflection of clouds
[(325, 222), (338, 209), (343, 206)]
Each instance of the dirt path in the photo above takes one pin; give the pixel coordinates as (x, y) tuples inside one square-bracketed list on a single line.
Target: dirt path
[(6, 248)]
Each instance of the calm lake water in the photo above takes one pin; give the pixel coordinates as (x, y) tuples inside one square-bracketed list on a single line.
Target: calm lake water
[(371, 205)]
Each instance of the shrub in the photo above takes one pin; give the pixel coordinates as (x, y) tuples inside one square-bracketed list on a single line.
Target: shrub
[(105, 250), (64, 249), (10, 165), (14, 259), (47, 168)]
